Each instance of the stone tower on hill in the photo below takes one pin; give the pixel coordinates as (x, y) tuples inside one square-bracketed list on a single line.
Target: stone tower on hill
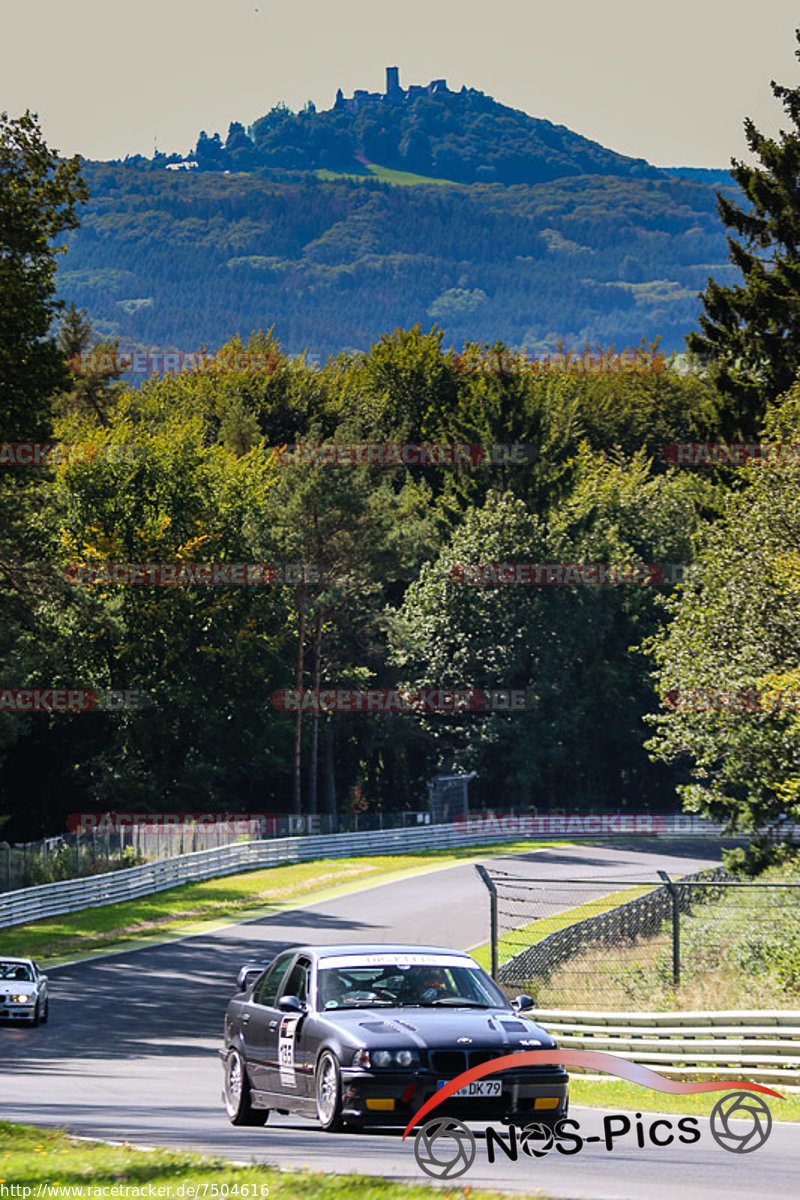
[(394, 92)]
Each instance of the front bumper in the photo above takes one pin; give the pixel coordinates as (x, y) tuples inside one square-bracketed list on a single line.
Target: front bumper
[(393, 1097), (17, 1012)]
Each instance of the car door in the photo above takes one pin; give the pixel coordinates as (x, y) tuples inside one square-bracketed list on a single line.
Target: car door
[(259, 1022), (41, 986), (291, 1058)]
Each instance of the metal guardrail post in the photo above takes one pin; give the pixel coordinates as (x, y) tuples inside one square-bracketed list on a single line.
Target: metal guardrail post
[(676, 929), (487, 879)]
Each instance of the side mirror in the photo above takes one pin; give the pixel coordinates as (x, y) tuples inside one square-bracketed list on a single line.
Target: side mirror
[(247, 975), (291, 1004), (520, 1002)]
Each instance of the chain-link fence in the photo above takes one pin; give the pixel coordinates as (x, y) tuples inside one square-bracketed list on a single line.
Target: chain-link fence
[(69, 856), (703, 941)]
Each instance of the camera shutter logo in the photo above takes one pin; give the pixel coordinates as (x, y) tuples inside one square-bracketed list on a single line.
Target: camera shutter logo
[(536, 1139), (444, 1148), (737, 1106)]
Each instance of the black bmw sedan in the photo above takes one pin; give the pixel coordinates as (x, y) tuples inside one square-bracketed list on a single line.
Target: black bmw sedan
[(363, 1035)]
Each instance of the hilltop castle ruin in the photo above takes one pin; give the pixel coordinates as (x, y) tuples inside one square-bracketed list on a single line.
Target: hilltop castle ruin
[(394, 94)]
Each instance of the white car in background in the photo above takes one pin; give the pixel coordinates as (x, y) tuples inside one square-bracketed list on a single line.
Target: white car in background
[(23, 991)]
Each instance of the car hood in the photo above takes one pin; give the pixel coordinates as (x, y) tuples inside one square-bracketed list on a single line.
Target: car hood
[(430, 1028)]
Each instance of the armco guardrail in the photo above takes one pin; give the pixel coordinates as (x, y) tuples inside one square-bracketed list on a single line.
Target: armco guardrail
[(761, 1046), (52, 899)]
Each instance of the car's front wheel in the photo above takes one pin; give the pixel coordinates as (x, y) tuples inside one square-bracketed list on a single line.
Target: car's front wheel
[(46, 1012), (329, 1093), (36, 1018), (236, 1093)]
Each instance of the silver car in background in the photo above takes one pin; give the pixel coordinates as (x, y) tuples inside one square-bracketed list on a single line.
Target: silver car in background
[(23, 991)]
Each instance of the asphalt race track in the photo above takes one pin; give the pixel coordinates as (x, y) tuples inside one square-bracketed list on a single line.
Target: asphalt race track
[(130, 1051)]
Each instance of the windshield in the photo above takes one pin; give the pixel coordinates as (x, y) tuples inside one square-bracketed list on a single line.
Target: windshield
[(397, 985), (15, 970)]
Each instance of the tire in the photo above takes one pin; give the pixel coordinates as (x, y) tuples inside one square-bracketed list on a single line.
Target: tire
[(36, 1019), (46, 1013), (329, 1093), (236, 1094)]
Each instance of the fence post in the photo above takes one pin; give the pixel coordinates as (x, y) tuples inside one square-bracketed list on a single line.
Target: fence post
[(487, 879), (676, 929)]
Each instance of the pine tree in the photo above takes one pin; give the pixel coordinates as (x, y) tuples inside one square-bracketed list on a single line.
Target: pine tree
[(751, 332)]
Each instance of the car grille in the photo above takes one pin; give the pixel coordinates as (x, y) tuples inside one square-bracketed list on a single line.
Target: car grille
[(476, 1057), (449, 1063)]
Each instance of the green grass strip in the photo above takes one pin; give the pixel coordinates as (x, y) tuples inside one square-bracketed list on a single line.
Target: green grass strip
[(214, 903), (51, 1160), (614, 1095)]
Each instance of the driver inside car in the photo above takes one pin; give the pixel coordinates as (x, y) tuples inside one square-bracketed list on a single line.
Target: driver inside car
[(332, 988)]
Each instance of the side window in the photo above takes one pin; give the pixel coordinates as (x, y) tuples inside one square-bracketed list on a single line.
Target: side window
[(266, 989), (296, 983)]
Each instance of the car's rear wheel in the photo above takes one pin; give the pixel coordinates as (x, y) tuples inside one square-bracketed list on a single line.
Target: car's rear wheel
[(236, 1093), (329, 1093)]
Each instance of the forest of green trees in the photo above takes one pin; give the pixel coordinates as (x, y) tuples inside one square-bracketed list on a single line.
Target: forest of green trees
[(173, 261), (187, 469)]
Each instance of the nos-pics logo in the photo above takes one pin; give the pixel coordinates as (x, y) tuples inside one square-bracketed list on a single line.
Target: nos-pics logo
[(445, 1148)]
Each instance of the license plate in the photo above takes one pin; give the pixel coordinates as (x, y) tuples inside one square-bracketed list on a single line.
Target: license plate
[(478, 1088)]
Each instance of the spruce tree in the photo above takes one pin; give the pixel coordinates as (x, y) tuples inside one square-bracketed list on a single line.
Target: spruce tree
[(750, 333)]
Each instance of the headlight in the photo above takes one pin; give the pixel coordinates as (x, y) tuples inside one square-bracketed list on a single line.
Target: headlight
[(21, 999), (385, 1058)]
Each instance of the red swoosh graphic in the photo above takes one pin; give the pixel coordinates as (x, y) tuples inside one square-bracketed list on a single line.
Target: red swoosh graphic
[(598, 1060)]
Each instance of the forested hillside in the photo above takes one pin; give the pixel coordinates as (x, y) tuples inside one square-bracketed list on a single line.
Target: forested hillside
[(172, 260)]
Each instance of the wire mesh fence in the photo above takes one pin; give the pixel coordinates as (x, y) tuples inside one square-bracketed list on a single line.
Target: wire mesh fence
[(701, 941)]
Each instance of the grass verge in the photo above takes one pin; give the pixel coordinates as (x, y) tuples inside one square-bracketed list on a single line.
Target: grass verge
[(51, 1160), (617, 1096), (231, 897)]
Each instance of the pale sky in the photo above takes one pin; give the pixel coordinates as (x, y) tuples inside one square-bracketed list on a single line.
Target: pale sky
[(670, 82)]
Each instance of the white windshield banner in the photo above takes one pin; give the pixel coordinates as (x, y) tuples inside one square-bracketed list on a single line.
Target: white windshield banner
[(396, 960)]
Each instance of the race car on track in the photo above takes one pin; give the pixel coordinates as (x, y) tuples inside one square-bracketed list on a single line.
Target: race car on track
[(23, 991), (363, 1035)]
